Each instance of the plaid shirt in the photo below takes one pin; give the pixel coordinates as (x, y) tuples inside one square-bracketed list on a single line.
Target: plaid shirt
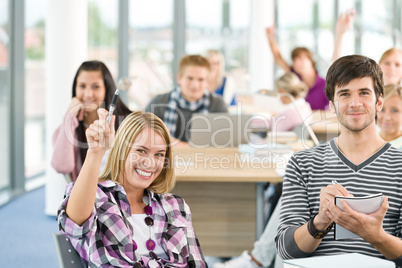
[(105, 239)]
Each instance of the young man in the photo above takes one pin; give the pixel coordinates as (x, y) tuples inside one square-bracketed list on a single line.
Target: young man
[(191, 96), (359, 160)]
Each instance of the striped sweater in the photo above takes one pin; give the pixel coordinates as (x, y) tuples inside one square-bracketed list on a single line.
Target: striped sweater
[(310, 170)]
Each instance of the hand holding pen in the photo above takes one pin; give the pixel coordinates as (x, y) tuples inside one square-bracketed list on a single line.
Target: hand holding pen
[(327, 197), (100, 134), (112, 106)]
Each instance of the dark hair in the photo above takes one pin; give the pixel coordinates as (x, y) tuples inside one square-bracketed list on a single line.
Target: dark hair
[(299, 50), (347, 68), (121, 110)]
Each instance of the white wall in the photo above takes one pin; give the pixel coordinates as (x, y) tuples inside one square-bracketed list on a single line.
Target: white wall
[(260, 56), (66, 48)]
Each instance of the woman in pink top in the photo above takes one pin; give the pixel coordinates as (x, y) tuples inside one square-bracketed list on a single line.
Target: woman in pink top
[(93, 87), (289, 85)]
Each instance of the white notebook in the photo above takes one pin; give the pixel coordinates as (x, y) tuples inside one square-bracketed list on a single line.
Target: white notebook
[(349, 260), (366, 204)]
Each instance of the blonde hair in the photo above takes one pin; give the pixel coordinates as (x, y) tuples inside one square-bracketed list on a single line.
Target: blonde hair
[(128, 131), (291, 83), (213, 52), (391, 90), (193, 60), (389, 52)]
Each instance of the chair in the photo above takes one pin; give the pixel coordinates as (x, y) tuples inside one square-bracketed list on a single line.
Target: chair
[(66, 254)]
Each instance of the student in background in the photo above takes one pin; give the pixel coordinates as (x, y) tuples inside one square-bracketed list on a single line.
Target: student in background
[(126, 217), (390, 117), (358, 160), (290, 84), (176, 107), (390, 61), (303, 63), (391, 66), (93, 87), (218, 82), (304, 66)]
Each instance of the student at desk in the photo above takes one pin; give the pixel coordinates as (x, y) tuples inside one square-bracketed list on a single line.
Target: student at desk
[(176, 108), (219, 82), (358, 159)]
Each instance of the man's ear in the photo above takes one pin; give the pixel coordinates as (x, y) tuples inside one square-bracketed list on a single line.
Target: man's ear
[(332, 107), (380, 103)]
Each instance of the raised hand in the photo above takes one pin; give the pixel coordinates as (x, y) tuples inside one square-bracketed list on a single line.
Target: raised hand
[(100, 135), (345, 21), (270, 32)]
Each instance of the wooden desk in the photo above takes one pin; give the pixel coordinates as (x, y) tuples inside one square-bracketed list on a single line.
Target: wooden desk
[(225, 195)]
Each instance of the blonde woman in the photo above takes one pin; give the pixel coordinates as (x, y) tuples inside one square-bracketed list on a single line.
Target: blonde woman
[(127, 217), (218, 82), (294, 113), (390, 118), (391, 66)]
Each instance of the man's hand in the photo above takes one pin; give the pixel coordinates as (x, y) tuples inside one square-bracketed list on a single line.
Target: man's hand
[(368, 227), (327, 196)]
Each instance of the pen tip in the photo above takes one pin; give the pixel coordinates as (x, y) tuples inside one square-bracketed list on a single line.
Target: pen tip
[(117, 91)]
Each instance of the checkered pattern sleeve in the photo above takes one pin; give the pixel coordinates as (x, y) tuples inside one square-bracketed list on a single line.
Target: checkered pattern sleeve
[(67, 226)]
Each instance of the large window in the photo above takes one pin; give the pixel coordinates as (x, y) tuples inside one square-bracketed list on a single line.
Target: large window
[(150, 50), (103, 33), (35, 161), (4, 96), (311, 23), (307, 24), (222, 25)]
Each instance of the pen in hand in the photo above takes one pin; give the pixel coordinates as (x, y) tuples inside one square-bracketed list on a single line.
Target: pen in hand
[(112, 106)]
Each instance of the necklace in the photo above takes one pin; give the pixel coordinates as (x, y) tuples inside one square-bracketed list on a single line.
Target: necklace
[(150, 244)]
